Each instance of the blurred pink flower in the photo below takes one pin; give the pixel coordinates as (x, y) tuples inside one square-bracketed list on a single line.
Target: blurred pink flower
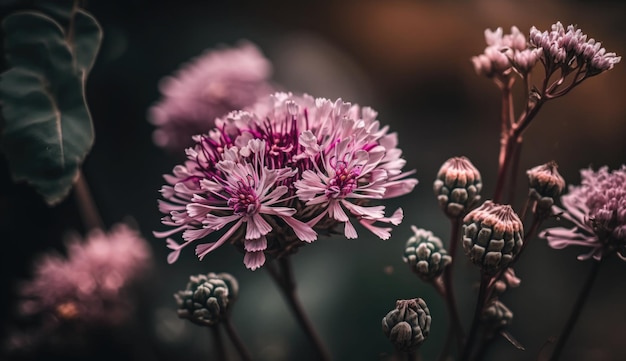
[(210, 86), (597, 208), (283, 167), (88, 285)]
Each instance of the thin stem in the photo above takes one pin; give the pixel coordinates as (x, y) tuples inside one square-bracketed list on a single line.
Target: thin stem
[(87, 207), (287, 284), (218, 342), (480, 304), (454, 326), (517, 151), (576, 310), (244, 354)]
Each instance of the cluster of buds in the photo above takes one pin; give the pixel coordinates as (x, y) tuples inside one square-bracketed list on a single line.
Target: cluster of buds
[(408, 325), (457, 186), (545, 184), (425, 254), (570, 49), (492, 236), (207, 299), (505, 53)]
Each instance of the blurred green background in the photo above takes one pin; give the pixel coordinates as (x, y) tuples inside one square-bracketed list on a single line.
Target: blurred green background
[(410, 60)]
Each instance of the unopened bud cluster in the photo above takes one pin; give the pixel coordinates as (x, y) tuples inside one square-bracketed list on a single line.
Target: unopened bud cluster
[(425, 254), (492, 236), (207, 298), (505, 52), (545, 184), (457, 186), (408, 325), (570, 48)]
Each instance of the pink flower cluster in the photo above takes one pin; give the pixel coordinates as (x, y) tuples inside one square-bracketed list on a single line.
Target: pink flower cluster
[(210, 86), (88, 284), (597, 208), (503, 52), (275, 175), (570, 48)]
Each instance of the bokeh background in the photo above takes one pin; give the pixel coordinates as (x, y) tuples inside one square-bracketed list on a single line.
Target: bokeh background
[(410, 60)]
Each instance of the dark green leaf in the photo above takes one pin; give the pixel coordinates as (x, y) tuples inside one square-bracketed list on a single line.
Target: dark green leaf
[(47, 130)]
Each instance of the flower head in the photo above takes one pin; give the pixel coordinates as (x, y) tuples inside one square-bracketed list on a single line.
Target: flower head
[(210, 86), (457, 186), (89, 284), (408, 325), (207, 299), (503, 53), (569, 48), (492, 236), (425, 254), (273, 173), (597, 208)]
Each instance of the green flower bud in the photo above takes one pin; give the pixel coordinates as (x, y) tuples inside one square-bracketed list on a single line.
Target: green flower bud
[(492, 236), (408, 325), (425, 254), (545, 184), (496, 316), (207, 298), (457, 186)]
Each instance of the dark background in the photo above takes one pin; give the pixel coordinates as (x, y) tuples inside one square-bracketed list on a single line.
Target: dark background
[(410, 60)]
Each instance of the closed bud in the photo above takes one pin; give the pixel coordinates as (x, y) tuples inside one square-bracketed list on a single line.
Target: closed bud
[(492, 236), (545, 184), (496, 316), (425, 254), (207, 298), (408, 325), (457, 186)]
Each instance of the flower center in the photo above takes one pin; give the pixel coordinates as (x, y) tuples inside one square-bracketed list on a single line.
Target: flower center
[(244, 199), (344, 181)]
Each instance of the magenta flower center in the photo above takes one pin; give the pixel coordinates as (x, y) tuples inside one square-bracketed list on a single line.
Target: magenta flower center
[(344, 181), (244, 199)]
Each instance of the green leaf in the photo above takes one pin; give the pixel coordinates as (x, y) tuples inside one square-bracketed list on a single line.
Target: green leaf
[(47, 126)]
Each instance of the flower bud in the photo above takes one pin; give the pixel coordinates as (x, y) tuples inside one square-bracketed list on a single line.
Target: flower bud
[(545, 184), (425, 254), (496, 316), (408, 325), (457, 186), (509, 279), (207, 298), (492, 236)]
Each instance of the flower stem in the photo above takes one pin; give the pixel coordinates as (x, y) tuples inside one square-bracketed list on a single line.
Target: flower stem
[(244, 354), (285, 280), (454, 326), (480, 304), (218, 342), (576, 310), (86, 205)]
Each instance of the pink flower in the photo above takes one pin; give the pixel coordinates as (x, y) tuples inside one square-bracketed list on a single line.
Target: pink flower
[(503, 52), (90, 283), (353, 161), (210, 86), (271, 174), (597, 208), (569, 48)]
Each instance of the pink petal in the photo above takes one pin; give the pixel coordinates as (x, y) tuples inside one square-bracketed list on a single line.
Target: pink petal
[(254, 260), (301, 229), (254, 245), (257, 227)]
